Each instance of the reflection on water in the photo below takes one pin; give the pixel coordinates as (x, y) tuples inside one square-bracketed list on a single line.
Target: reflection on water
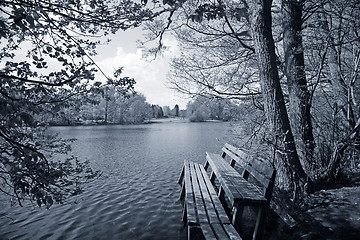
[(137, 195)]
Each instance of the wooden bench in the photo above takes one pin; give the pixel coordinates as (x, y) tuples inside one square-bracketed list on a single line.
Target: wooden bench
[(203, 213), (235, 185)]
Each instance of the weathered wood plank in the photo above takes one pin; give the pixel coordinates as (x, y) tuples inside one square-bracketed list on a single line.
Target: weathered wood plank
[(217, 204), (235, 186), (249, 167), (202, 216), (189, 200), (231, 232), (205, 216), (181, 177), (208, 232), (263, 168), (219, 231), (210, 209)]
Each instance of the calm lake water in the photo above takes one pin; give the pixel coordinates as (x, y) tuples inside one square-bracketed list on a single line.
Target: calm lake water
[(137, 197)]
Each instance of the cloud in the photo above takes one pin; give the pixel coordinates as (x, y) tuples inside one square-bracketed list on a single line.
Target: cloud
[(150, 76)]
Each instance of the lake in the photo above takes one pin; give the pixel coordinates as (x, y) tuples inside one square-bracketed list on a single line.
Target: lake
[(137, 196)]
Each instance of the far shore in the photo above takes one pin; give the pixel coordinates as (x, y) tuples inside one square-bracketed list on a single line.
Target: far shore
[(147, 121)]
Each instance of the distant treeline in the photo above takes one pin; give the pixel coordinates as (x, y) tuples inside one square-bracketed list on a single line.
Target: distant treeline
[(109, 106), (204, 108)]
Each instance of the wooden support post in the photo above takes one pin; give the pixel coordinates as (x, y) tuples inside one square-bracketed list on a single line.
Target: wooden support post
[(237, 215), (195, 233), (232, 162), (206, 165), (182, 192), (182, 174), (260, 222), (245, 174), (184, 217), (212, 177)]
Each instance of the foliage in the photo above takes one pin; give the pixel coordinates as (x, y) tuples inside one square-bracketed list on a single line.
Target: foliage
[(320, 86), (46, 60), (203, 108)]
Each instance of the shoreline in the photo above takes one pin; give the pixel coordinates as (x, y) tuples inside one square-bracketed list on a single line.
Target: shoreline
[(147, 121)]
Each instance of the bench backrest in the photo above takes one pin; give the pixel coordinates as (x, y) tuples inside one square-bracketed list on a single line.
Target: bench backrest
[(264, 174)]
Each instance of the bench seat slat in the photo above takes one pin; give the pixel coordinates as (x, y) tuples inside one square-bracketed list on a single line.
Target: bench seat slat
[(234, 185), (198, 196), (231, 232), (203, 202), (217, 204), (265, 169), (189, 201), (219, 231), (264, 181), (207, 231), (213, 218)]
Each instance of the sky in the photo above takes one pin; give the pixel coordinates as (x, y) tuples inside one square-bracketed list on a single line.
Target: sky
[(150, 75)]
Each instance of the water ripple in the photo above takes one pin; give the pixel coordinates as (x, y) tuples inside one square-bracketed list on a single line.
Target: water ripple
[(137, 195)]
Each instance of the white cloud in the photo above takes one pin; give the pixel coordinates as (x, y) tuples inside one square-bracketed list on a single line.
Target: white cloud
[(150, 76)]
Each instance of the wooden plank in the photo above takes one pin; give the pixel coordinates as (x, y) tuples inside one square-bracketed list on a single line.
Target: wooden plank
[(181, 177), (223, 167), (249, 167), (219, 231), (218, 207), (235, 186), (260, 222), (182, 192), (189, 199), (231, 232), (201, 212), (262, 167), (207, 231), (210, 209)]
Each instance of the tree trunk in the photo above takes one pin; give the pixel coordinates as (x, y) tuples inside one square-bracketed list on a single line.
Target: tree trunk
[(106, 105), (290, 172), (299, 96), (339, 87), (341, 95), (333, 166)]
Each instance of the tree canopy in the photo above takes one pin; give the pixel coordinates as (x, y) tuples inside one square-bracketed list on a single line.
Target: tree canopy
[(301, 56), (46, 60)]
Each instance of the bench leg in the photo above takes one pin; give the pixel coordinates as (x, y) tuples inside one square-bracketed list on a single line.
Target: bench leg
[(221, 196), (182, 174), (182, 192), (212, 177), (260, 223), (206, 165), (195, 233), (238, 210), (184, 214)]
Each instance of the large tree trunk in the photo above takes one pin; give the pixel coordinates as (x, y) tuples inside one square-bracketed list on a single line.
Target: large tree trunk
[(299, 96), (290, 171)]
